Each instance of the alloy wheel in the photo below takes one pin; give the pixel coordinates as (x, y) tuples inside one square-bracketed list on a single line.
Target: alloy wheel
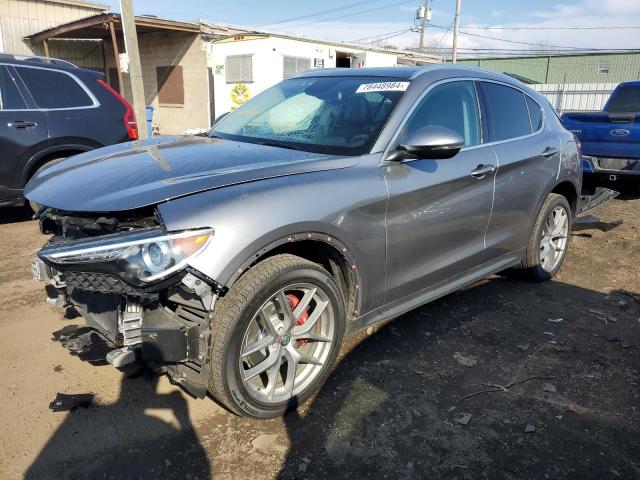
[(555, 231), (287, 343)]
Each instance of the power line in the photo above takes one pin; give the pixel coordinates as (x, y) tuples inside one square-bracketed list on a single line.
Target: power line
[(379, 35), (397, 34), (347, 15), (510, 41), (322, 12), (475, 27)]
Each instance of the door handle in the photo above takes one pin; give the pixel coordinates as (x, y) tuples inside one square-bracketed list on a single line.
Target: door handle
[(482, 171), (21, 124), (549, 152)]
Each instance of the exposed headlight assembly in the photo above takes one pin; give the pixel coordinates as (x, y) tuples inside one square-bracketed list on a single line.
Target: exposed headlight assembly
[(140, 256)]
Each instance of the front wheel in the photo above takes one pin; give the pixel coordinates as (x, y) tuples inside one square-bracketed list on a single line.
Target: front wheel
[(549, 240), (276, 335)]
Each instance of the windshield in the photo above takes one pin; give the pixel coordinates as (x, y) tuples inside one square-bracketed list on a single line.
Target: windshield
[(334, 115), (625, 100)]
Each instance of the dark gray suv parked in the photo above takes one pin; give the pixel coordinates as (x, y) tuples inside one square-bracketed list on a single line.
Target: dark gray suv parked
[(335, 200), (49, 110)]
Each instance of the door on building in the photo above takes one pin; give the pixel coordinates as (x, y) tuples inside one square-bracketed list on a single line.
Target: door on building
[(343, 60)]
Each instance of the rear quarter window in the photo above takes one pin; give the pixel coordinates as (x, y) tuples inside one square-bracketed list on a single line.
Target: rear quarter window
[(52, 89), (535, 114), (508, 113)]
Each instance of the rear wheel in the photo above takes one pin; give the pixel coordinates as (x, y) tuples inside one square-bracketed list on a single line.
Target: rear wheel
[(276, 335), (549, 240)]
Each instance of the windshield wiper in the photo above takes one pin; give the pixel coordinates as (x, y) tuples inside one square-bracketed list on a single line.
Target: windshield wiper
[(269, 143)]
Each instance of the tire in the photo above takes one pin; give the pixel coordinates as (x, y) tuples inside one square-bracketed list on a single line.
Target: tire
[(255, 310), (533, 266)]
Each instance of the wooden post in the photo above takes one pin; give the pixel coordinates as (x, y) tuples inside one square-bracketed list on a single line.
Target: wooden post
[(135, 69), (116, 53)]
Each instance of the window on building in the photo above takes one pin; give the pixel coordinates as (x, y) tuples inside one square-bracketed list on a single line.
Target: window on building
[(508, 114), (452, 105), (603, 68), (170, 85), (294, 65), (10, 98), (535, 114), (51, 89), (239, 68)]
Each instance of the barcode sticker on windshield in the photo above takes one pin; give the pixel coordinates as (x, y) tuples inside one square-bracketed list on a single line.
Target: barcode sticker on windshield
[(383, 87)]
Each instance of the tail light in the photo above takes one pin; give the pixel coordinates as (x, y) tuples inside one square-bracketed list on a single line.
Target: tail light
[(130, 123)]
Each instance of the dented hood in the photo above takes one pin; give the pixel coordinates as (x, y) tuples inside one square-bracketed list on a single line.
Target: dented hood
[(137, 174)]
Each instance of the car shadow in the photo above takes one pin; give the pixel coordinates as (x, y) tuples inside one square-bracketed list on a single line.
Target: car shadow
[(395, 406), (144, 434), (15, 214)]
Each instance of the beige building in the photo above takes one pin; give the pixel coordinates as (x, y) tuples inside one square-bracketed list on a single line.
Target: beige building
[(21, 18)]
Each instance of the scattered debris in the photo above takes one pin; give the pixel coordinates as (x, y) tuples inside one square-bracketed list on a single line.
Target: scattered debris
[(551, 334), (529, 428), (69, 403), (306, 460), (555, 320), (595, 311), (58, 368), (524, 347), (463, 418), (547, 387), (167, 462), (468, 361), (494, 387), (263, 442), (302, 467)]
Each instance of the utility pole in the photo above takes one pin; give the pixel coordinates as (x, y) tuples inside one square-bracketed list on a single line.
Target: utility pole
[(135, 69), (423, 24), (456, 30)]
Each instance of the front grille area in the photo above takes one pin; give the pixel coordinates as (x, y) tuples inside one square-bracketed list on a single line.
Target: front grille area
[(97, 282), (616, 163)]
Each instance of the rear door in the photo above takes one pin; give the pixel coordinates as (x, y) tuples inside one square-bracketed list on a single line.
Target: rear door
[(23, 130), (528, 153), (70, 107), (438, 209)]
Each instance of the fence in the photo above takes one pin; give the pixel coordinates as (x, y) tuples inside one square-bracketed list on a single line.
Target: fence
[(576, 96)]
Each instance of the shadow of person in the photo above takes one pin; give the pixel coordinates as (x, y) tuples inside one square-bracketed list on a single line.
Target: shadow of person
[(144, 434), (394, 407)]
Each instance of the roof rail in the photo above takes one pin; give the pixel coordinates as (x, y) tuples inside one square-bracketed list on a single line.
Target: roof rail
[(38, 59)]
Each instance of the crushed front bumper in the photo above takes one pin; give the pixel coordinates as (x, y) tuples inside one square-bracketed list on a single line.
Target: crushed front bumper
[(168, 329)]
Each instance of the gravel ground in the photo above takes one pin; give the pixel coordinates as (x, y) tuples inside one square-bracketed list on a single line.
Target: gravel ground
[(505, 379)]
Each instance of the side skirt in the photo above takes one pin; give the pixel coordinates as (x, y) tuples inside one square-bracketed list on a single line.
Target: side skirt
[(406, 304)]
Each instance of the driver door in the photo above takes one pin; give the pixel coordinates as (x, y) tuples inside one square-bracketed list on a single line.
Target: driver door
[(439, 209)]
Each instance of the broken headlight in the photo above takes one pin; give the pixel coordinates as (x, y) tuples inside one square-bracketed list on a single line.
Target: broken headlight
[(143, 256)]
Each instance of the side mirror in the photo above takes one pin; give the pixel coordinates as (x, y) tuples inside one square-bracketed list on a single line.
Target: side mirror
[(431, 142)]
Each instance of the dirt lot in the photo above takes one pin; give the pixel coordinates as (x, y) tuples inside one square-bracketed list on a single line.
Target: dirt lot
[(566, 357)]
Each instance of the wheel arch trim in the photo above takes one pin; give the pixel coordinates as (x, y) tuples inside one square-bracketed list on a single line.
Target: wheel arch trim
[(336, 244)]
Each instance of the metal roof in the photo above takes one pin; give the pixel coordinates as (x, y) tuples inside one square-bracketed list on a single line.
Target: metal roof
[(96, 26)]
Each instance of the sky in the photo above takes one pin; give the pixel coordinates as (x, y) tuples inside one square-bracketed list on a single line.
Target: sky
[(514, 26)]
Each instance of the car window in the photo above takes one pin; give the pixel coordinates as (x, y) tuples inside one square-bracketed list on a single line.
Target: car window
[(508, 114), (51, 89), (535, 114), (625, 99), (10, 97), (452, 105)]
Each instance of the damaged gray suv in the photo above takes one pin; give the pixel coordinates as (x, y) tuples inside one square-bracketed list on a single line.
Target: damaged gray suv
[(236, 262)]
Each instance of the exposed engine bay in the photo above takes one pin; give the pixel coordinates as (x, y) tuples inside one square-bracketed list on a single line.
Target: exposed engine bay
[(129, 291)]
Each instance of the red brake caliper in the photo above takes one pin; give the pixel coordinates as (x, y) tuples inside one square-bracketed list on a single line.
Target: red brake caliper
[(294, 301)]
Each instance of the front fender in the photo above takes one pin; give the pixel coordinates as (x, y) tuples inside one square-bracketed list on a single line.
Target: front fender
[(346, 209)]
